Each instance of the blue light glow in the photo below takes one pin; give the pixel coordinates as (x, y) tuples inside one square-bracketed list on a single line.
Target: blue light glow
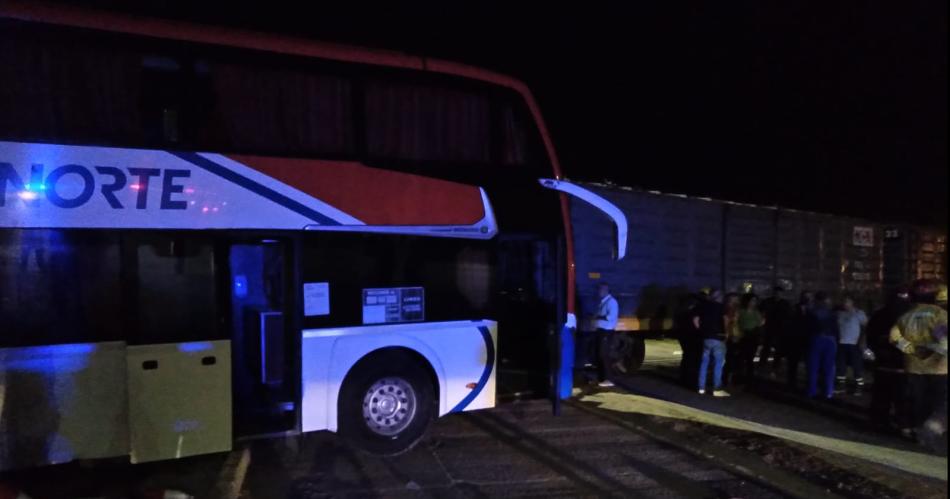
[(50, 360), (199, 346), (68, 349)]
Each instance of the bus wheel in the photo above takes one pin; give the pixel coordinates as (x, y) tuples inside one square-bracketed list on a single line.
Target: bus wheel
[(386, 403)]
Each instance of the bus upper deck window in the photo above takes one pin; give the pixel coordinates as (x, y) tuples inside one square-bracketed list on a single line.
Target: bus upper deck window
[(427, 123), (62, 88), (163, 96), (514, 151), (276, 109)]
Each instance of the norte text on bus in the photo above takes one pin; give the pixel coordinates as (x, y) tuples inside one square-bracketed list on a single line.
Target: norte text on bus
[(111, 179)]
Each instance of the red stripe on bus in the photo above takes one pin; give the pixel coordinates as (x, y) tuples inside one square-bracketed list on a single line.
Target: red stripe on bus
[(373, 195)]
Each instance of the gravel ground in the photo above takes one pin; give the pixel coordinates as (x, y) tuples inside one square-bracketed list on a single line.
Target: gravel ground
[(846, 475), (515, 450)]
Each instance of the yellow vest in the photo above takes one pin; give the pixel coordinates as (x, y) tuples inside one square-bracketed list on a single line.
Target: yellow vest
[(917, 328)]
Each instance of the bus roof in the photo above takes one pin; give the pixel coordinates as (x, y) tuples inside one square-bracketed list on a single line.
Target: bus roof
[(64, 15)]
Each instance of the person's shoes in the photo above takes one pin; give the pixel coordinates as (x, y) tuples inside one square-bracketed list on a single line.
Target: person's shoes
[(908, 433), (702, 392), (605, 384), (720, 393), (620, 367)]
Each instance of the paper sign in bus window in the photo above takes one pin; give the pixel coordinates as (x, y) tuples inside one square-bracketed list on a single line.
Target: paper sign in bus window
[(316, 298), (387, 305)]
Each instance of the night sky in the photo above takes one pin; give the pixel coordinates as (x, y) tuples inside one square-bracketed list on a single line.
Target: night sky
[(835, 106)]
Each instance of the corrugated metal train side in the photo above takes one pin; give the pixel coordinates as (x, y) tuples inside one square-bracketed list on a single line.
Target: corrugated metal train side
[(678, 245)]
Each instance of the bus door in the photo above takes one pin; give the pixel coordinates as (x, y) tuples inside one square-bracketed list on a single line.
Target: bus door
[(179, 354), (526, 309), (260, 321)]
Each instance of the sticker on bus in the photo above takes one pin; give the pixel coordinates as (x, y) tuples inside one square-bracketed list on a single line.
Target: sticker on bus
[(389, 305), (316, 298)]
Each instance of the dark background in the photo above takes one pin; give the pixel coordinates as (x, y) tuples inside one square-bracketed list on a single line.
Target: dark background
[(834, 106)]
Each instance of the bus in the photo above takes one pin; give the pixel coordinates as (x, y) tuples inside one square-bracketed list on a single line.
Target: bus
[(210, 234)]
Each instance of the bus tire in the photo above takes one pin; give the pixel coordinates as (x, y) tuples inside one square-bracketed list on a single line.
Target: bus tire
[(386, 403)]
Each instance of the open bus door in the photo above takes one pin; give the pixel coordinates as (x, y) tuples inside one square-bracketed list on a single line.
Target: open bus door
[(263, 349), (563, 370)]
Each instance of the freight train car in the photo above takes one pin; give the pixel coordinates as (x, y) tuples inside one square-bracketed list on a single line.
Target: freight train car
[(679, 244)]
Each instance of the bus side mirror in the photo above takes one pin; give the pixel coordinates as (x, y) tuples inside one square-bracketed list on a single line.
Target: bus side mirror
[(605, 207)]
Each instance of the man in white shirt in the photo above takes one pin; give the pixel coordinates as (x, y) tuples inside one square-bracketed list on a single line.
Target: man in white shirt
[(607, 311), (607, 314), (851, 321)]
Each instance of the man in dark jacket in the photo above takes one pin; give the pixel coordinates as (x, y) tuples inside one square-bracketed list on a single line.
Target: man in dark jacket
[(777, 312), (691, 344), (823, 329), (795, 337)]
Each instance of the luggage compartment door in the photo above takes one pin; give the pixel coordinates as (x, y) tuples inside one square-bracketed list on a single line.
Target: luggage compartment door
[(179, 399), (179, 358)]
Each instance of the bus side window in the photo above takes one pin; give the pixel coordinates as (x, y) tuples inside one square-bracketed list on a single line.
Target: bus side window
[(514, 138), (67, 90), (59, 286), (426, 123), (275, 110), (163, 98), (174, 290)]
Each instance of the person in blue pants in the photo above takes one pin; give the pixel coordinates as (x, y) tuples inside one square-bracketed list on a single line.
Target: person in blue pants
[(823, 328), (709, 321)]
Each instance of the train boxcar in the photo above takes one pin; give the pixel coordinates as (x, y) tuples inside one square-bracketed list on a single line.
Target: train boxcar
[(679, 244)]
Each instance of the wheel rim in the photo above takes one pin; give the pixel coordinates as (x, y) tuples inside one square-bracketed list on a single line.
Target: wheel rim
[(389, 405)]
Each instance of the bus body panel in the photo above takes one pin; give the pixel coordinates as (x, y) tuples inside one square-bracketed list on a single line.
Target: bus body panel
[(179, 399), (62, 402), (462, 355), (50, 185)]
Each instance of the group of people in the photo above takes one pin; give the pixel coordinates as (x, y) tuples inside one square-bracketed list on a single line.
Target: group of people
[(906, 338), (727, 332)]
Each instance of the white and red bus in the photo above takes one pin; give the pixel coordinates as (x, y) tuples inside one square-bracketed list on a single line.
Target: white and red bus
[(209, 234)]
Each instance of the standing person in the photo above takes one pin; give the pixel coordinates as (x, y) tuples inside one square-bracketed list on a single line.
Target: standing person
[(823, 329), (688, 337), (608, 312), (776, 311), (796, 337), (750, 324), (921, 334), (709, 320), (851, 321), (731, 306), (887, 392)]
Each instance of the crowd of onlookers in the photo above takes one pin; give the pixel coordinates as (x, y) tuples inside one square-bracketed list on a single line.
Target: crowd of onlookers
[(742, 339)]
